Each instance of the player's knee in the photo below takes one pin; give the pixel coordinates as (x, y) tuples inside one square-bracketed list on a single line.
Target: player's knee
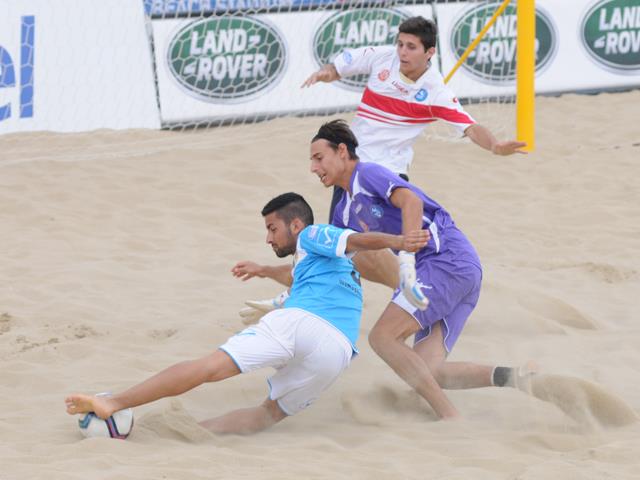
[(273, 413), (218, 366), (378, 339), (439, 374)]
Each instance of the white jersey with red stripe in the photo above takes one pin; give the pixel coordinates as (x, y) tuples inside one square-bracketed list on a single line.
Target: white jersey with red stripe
[(393, 112)]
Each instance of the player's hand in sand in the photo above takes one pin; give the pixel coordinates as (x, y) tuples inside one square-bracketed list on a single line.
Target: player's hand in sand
[(256, 309), (102, 406), (509, 148)]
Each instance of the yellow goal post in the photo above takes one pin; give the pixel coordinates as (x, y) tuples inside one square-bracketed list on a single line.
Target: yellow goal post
[(525, 66)]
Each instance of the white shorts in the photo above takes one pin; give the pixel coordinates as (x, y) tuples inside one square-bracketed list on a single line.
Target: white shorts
[(308, 353)]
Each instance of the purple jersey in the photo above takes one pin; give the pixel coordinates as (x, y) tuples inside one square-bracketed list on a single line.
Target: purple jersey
[(448, 269), (369, 208)]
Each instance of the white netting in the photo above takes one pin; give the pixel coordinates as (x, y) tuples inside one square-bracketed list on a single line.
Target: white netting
[(81, 65), (224, 63)]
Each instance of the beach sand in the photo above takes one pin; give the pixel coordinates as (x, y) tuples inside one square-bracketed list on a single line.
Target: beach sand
[(116, 257)]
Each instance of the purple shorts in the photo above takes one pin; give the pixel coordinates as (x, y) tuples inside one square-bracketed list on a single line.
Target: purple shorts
[(452, 285)]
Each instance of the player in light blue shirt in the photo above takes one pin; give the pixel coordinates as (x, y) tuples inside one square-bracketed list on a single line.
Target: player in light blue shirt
[(309, 340), (325, 282)]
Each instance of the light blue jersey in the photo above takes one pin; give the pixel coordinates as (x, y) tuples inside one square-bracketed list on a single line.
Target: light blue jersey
[(325, 281)]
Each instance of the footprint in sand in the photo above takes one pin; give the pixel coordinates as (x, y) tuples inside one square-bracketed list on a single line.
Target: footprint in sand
[(5, 323), (609, 273), (83, 331), (175, 423), (384, 405), (587, 403), (162, 334), (556, 310)]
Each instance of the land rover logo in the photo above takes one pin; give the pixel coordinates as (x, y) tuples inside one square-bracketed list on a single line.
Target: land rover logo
[(494, 58), (353, 29), (611, 34), (226, 59)]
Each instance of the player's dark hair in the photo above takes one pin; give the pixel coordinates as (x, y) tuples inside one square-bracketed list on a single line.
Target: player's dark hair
[(336, 132), (289, 206), (425, 30)]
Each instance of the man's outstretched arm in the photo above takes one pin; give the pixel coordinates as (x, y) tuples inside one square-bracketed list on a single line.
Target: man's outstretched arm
[(255, 309), (327, 74), (483, 137), (245, 270)]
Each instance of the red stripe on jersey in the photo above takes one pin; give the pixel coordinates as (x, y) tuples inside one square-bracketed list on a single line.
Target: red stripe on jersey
[(376, 116), (364, 115), (412, 110)]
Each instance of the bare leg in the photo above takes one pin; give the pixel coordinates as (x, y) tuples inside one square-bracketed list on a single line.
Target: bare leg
[(451, 375), (380, 266), (387, 339), (465, 375), (173, 381), (247, 420)]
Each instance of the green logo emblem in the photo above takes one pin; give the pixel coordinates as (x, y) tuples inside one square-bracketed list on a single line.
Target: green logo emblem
[(611, 34), (494, 58), (366, 27), (227, 59)]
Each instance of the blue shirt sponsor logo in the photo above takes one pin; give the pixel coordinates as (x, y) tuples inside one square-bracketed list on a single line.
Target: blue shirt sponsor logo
[(27, 62), (313, 231), (422, 95), (346, 56)]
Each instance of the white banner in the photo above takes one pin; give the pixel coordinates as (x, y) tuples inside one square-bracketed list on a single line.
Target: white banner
[(75, 65), (565, 33), (235, 67)]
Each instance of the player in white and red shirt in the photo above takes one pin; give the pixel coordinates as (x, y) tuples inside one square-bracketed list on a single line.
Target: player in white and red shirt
[(404, 93), (394, 110)]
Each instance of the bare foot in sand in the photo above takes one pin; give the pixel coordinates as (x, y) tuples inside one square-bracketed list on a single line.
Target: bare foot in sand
[(103, 406)]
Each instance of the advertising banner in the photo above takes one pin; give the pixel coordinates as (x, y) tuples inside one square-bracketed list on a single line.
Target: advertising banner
[(610, 34), (219, 68), (75, 66), (580, 45)]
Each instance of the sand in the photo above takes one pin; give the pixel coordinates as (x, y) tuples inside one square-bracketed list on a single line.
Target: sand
[(116, 256)]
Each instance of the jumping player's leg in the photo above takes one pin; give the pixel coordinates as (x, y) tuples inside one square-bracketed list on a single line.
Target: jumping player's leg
[(467, 375), (387, 338), (247, 420), (451, 375), (170, 382)]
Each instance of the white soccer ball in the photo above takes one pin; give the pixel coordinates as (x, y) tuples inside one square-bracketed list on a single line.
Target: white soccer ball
[(118, 425)]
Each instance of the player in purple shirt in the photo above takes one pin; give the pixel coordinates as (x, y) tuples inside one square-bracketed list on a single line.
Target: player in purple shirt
[(439, 285)]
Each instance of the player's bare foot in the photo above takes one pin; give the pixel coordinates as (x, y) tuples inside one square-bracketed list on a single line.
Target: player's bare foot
[(102, 406)]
